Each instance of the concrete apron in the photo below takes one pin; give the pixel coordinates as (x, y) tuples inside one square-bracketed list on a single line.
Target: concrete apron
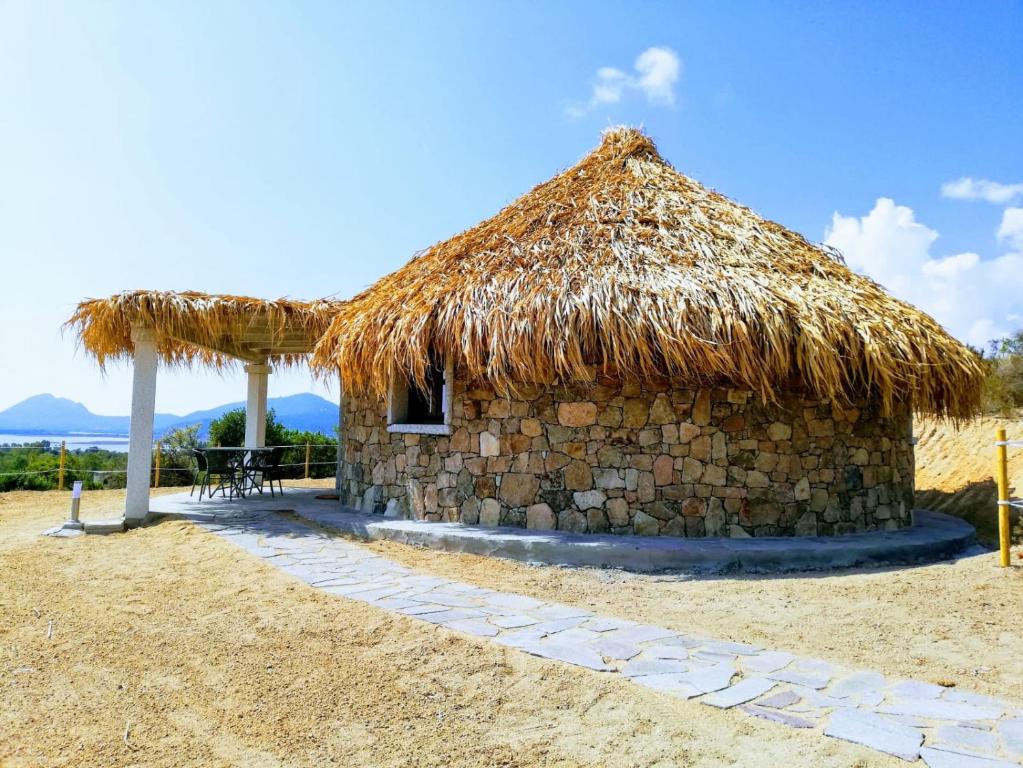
[(933, 537)]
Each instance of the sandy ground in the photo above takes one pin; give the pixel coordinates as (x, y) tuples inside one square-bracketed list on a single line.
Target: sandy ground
[(955, 471), (210, 657)]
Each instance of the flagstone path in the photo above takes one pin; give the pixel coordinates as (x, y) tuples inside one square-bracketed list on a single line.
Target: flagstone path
[(944, 727)]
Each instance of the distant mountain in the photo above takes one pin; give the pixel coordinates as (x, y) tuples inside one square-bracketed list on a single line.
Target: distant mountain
[(306, 412), (46, 414)]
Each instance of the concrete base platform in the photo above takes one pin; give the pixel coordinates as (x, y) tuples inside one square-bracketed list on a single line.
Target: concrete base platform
[(934, 536)]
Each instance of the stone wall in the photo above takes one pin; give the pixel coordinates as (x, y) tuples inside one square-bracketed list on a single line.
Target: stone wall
[(651, 459)]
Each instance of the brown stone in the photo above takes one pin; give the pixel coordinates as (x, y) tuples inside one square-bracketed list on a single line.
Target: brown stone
[(499, 409), (636, 413), (645, 490), (485, 486), (687, 432), (701, 408), (531, 427), (579, 414), (578, 476), (516, 443), (541, 517), (699, 448), (664, 469), (572, 520), (691, 470), (734, 423), (779, 431), (490, 513), (645, 525), (662, 411), (575, 450), (694, 507), (518, 490), (617, 512), (596, 521)]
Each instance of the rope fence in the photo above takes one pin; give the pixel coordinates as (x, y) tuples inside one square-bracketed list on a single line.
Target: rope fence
[(1004, 501), (64, 472)]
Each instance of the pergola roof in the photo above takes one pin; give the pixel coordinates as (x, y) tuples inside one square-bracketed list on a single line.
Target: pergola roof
[(208, 329)]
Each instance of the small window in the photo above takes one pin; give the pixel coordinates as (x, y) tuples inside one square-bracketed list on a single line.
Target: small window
[(426, 406), (423, 409)]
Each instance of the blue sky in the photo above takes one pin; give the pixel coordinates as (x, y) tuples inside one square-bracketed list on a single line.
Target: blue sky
[(306, 149)]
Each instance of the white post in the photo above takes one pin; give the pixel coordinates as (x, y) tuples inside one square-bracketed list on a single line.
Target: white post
[(255, 405), (140, 442)]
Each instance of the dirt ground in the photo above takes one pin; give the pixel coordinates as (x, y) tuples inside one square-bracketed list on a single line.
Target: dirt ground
[(206, 656), (955, 471), (203, 655)]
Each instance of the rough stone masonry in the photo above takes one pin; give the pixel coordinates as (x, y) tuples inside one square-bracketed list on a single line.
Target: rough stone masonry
[(651, 458)]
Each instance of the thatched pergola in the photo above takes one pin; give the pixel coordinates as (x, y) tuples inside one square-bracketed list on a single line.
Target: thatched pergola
[(194, 329), (626, 275)]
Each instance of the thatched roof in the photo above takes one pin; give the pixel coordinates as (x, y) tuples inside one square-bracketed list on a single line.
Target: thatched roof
[(212, 330), (623, 261)]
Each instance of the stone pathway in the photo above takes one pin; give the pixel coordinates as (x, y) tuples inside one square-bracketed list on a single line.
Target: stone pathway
[(944, 727)]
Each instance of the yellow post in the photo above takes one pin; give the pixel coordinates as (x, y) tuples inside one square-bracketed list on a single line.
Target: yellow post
[(1002, 478), (308, 452), (156, 479), (63, 459)]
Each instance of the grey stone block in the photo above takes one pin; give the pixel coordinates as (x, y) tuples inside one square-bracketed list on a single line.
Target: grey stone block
[(875, 732), (580, 656), (973, 739), (776, 716), (740, 693), (513, 621), (767, 661), (673, 684), (805, 679), (616, 649), (939, 709), (780, 700), (939, 758), (710, 679), (857, 683), (477, 627), (639, 667)]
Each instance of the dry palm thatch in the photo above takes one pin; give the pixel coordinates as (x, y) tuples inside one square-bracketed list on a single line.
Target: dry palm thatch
[(622, 261), (211, 330)]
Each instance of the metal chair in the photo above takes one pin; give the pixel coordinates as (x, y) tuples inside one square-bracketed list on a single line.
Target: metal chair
[(202, 471), (272, 470), (220, 466)]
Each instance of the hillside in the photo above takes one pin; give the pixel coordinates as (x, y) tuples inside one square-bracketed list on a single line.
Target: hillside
[(955, 470), (46, 414)]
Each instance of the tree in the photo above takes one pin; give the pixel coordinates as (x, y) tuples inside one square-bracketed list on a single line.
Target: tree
[(1003, 388), (229, 429)]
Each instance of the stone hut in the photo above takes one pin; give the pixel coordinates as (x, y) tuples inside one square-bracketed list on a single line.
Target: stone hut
[(623, 350)]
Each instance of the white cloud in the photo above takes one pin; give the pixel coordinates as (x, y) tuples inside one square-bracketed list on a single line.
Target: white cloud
[(981, 189), (657, 70), (975, 299), (1011, 228), (951, 266)]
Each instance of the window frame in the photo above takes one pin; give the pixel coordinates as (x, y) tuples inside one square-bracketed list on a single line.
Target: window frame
[(397, 407)]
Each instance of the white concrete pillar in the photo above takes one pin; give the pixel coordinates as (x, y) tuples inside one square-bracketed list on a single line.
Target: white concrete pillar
[(340, 442), (140, 442), (255, 405)]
